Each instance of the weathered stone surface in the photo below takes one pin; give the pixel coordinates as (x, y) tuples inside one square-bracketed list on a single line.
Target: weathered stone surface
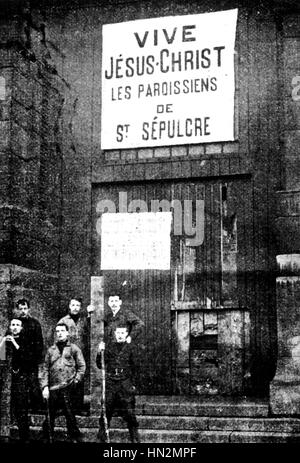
[(162, 152), (285, 387), (145, 153), (196, 150), (201, 406), (234, 334), (292, 168), (278, 425), (291, 24), (112, 155), (161, 424), (128, 155), (186, 419), (288, 204), (231, 147), (285, 397), (263, 437), (288, 226), (4, 134), (31, 169), (183, 334), (292, 113), (121, 435), (5, 382), (288, 264), (212, 148), (4, 274), (179, 151)]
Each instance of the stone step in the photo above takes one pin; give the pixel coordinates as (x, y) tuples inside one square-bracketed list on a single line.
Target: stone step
[(201, 406), (179, 419), (264, 437), (173, 436), (191, 423), (163, 436), (274, 425)]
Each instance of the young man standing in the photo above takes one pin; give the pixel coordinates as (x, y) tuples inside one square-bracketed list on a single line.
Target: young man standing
[(18, 351), (78, 326), (118, 315), (77, 323), (119, 374), (64, 368), (32, 333)]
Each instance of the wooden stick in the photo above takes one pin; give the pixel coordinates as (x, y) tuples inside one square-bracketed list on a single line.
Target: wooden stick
[(103, 397), (97, 334), (47, 416)]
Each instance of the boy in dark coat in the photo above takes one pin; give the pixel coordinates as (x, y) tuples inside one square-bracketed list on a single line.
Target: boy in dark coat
[(18, 349), (120, 392), (32, 333)]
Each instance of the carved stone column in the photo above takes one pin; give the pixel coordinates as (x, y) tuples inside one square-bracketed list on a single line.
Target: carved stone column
[(285, 387)]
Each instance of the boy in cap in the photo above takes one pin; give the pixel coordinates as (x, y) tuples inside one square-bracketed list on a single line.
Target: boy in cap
[(119, 357)]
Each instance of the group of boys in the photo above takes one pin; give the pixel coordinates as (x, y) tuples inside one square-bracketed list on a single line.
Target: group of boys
[(54, 381)]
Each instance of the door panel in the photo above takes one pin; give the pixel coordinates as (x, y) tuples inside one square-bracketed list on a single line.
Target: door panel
[(204, 276)]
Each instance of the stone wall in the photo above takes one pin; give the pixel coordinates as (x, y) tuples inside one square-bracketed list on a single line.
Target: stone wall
[(31, 165), (285, 388), (41, 289)]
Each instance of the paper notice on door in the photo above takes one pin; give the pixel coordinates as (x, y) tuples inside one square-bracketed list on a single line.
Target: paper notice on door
[(136, 241)]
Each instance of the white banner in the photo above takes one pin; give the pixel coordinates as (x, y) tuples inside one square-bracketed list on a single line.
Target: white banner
[(136, 241), (168, 81)]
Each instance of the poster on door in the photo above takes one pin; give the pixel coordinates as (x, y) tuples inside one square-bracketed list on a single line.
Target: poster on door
[(136, 241)]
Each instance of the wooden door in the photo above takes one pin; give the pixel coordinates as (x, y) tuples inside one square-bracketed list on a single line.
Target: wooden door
[(204, 273)]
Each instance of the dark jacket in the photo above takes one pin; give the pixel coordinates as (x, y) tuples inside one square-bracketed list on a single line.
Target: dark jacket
[(60, 369), (20, 358), (32, 336), (120, 361), (123, 317), (32, 332)]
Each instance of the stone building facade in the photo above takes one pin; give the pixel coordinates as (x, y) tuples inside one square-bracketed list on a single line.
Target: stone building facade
[(54, 173)]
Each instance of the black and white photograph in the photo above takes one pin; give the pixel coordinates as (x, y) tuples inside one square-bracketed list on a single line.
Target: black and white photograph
[(149, 226)]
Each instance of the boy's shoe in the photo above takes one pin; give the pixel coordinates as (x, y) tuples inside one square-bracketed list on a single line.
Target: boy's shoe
[(134, 435)]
